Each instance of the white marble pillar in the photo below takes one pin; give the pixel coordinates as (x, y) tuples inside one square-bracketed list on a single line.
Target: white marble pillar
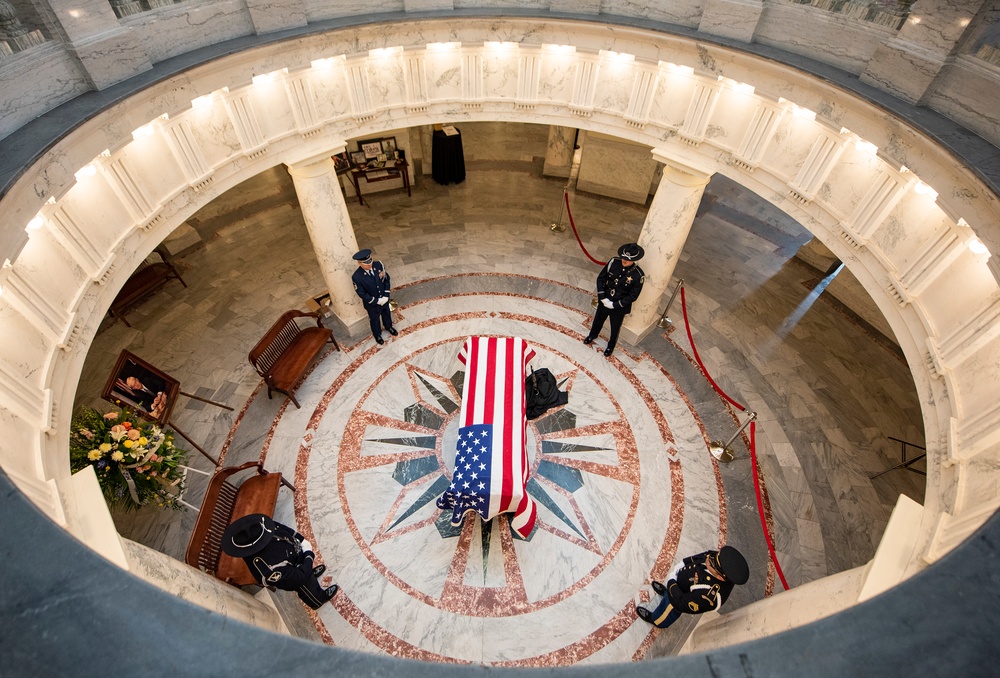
[(332, 235), (559, 152), (107, 51), (663, 235), (908, 64)]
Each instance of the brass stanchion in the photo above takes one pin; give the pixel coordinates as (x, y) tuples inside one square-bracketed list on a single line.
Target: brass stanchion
[(722, 451), (664, 322), (393, 305), (557, 226)]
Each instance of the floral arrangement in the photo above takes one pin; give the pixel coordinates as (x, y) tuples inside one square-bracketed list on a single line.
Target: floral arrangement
[(136, 462)]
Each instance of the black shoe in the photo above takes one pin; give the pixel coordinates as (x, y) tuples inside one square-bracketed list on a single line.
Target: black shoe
[(588, 340), (332, 591), (644, 614), (608, 352), (659, 588), (392, 331), (319, 570), (379, 340)]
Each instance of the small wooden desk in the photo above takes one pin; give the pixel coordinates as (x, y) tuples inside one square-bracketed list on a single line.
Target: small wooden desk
[(373, 174)]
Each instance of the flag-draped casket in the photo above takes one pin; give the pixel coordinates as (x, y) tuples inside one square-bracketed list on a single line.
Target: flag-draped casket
[(491, 462)]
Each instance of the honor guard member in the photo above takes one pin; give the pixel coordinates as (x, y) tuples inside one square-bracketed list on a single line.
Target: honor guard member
[(702, 583), (277, 557), (618, 286), (371, 282)]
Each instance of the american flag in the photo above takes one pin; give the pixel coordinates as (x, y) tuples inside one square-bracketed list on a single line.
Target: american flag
[(491, 463)]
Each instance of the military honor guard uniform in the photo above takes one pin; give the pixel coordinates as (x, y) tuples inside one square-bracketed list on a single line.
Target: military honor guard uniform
[(278, 557), (618, 286), (703, 583), (371, 282)]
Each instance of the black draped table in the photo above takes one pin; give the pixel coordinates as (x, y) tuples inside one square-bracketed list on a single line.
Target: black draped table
[(447, 158)]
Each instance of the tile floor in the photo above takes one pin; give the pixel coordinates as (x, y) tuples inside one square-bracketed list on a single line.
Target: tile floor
[(622, 474)]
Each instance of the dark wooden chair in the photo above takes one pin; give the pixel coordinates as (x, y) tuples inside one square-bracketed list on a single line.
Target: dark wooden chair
[(282, 357), (225, 501)]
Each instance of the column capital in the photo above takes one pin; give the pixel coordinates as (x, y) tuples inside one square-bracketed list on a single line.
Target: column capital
[(305, 166), (684, 172)]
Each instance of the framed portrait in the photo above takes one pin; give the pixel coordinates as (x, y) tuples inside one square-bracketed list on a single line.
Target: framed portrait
[(358, 158), (371, 148), (389, 145), (149, 392), (342, 162)]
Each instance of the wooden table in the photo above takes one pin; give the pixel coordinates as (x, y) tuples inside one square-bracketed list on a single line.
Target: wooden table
[(374, 174)]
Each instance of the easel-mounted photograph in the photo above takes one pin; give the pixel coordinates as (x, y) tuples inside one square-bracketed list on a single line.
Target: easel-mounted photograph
[(342, 162), (137, 385)]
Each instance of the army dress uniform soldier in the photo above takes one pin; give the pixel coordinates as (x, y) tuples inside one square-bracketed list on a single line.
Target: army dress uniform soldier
[(618, 286), (371, 282), (702, 583), (277, 556)]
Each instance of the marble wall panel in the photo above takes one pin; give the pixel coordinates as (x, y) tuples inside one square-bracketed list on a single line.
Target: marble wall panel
[(557, 75), (907, 228), (97, 211), (500, 73), (735, 19), (147, 156), (427, 5), (967, 93), (51, 270), (24, 349), (329, 88), (670, 101), (730, 119), (35, 82), (18, 438), (317, 10), (849, 180), (386, 81), (957, 293), (499, 4), (615, 168), (275, 15), (272, 108), (818, 34), (189, 26), (614, 84), (112, 57), (213, 131), (793, 138), (444, 74), (683, 12)]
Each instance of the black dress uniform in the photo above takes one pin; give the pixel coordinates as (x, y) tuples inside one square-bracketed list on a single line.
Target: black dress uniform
[(275, 555), (619, 286), (372, 285), (694, 589)]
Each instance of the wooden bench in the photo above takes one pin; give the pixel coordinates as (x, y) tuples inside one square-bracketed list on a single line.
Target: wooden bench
[(284, 354), (144, 281), (225, 501)]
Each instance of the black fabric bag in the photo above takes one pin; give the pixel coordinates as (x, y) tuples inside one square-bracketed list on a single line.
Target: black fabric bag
[(542, 393)]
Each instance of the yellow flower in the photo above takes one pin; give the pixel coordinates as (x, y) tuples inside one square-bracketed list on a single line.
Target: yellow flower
[(127, 443), (94, 455), (143, 441), (117, 456), (105, 447)]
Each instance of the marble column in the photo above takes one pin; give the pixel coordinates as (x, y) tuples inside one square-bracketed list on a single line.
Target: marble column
[(107, 51), (908, 64), (329, 224), (663, 235), (559, 152)]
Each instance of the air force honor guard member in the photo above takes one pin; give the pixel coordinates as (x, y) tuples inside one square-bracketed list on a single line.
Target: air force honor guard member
[(703, 583), (277, 556), (618, 286), (371, 282)]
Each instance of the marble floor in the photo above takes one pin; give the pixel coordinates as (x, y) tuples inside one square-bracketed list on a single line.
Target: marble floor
[(622, 475)]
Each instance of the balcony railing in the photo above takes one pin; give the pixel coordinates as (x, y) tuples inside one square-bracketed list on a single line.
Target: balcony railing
[(124, 8)]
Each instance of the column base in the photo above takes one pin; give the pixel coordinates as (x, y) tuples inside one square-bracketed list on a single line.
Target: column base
[(634, 335)]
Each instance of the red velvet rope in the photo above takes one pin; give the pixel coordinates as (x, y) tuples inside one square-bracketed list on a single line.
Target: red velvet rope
[(753, 445), (570, 214)]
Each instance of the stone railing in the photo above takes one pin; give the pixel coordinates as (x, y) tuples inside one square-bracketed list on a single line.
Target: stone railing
[(124, 8), (890, 14), (15, 36)]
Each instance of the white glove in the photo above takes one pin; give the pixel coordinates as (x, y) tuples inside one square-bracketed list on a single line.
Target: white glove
[(607, 303), (382, 301), (306, 546)]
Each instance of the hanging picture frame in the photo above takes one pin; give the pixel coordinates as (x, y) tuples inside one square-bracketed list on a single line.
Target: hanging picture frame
[(371, 148)]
